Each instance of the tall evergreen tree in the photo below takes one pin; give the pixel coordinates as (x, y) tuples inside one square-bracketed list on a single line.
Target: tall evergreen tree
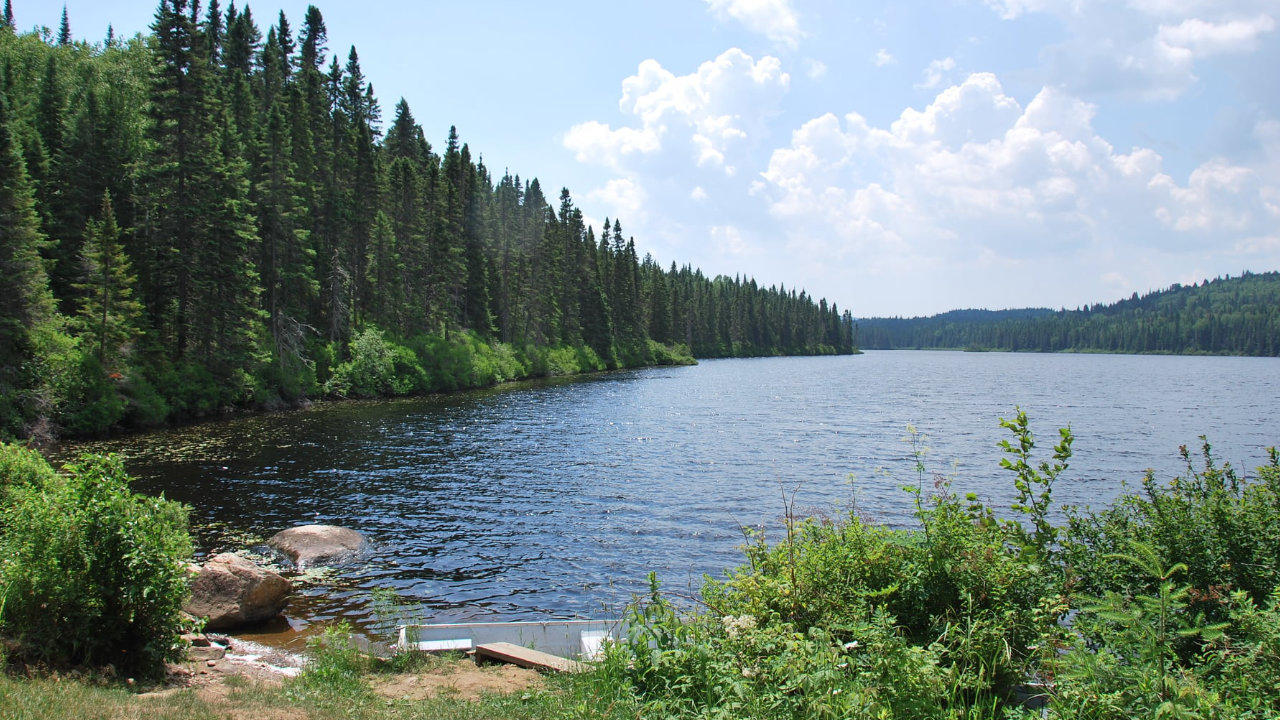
[(200, 234), (64, 29), (108, 315), (26, 306), (287, 260), (8, 16)]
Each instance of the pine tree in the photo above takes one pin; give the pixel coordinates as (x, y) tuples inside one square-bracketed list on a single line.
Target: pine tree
[(287, 263), (200, 239), (61, 222), (108, 314), (64, 29), (8, 16), (26, 305), (446, 262)]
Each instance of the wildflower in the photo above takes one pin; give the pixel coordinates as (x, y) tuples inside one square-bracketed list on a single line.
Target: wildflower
[(851, 645), (733, 624)]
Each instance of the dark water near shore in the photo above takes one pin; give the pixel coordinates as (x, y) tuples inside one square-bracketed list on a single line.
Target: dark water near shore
[(556, 499)]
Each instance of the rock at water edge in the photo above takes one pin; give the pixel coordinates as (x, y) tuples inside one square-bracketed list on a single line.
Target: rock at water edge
[(308, 545), (232, 591)]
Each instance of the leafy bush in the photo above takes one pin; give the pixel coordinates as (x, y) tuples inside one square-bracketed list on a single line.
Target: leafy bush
[(1223, 528), (1124, 662), (335, 675), (733, 666), (92, 402), (677, 354), (21, 466), (1176, 610), (377, 367), (849, 619), (90, 572)]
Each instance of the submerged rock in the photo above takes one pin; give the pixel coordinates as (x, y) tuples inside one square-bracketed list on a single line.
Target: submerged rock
[(231, 591), (308, 545)]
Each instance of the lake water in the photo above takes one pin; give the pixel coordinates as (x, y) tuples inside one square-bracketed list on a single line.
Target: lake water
[(556, 499)]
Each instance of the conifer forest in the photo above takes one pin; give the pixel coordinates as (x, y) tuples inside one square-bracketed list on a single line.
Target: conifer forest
[(210, 215)]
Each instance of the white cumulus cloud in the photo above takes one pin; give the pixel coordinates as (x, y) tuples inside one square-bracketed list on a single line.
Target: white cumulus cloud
[(977, 179), (623, 197), (774, 19), (937, 73), (1146, 49), (710, 112), (1205, 38)]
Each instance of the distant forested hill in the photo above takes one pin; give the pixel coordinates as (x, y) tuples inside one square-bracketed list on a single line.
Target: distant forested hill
[(213, 216), (1224, 316)]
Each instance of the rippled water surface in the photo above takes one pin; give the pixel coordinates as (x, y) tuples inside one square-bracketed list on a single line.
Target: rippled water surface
[(557, 499)]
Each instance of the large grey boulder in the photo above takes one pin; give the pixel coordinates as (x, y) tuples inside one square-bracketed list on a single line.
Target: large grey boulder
[(231, 591), (309, 545)]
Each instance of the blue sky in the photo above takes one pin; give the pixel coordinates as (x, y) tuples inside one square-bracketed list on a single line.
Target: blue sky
[(897, 158)]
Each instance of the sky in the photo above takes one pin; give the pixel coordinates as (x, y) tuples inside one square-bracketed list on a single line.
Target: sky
[(897, 158)]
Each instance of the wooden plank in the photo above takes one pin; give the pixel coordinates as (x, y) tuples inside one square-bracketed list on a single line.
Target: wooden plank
[(525, 657)]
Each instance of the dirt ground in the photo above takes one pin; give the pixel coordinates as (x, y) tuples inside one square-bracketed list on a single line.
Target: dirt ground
[(259, 665), (459, 680)]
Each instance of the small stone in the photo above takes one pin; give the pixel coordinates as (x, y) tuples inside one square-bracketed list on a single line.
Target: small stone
[(212, 663), (209, 652), (196, 639)]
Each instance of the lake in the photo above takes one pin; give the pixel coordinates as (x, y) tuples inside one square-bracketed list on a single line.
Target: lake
[(555, 499)]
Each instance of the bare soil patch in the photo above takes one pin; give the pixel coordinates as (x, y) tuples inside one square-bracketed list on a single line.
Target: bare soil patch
[(458, 680)]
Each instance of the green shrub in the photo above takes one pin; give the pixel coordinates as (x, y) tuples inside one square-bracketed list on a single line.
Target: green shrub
[(21, 466), (91, 573), (378, 367), (1124, 662), (336, 673), (677, 354), (1243, 664), (1223, 528), (731, 666), (91, 398)]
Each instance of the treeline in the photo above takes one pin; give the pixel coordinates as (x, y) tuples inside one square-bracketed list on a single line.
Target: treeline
[(208, 216), (1223, 316)]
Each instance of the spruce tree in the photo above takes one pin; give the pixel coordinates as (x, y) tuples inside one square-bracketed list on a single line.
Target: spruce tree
[(287, 263), (108, 314), (63, 224), (64, 29), (8, 16), (26, 305)]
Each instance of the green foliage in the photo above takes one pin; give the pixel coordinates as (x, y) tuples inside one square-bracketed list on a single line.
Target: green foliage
[(22, 466), (336, 676), (1220, 526), (952, 619), (90, 573), (730, 666), (1126, 663), (90, 396), (677, 354), (1224, 316), (1034, 485), (465, 360), (851, 619), (1244, 661), (257, 240), (377, 367)]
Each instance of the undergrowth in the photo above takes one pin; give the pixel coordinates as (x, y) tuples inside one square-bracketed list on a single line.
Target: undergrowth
[(1162, 606)]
